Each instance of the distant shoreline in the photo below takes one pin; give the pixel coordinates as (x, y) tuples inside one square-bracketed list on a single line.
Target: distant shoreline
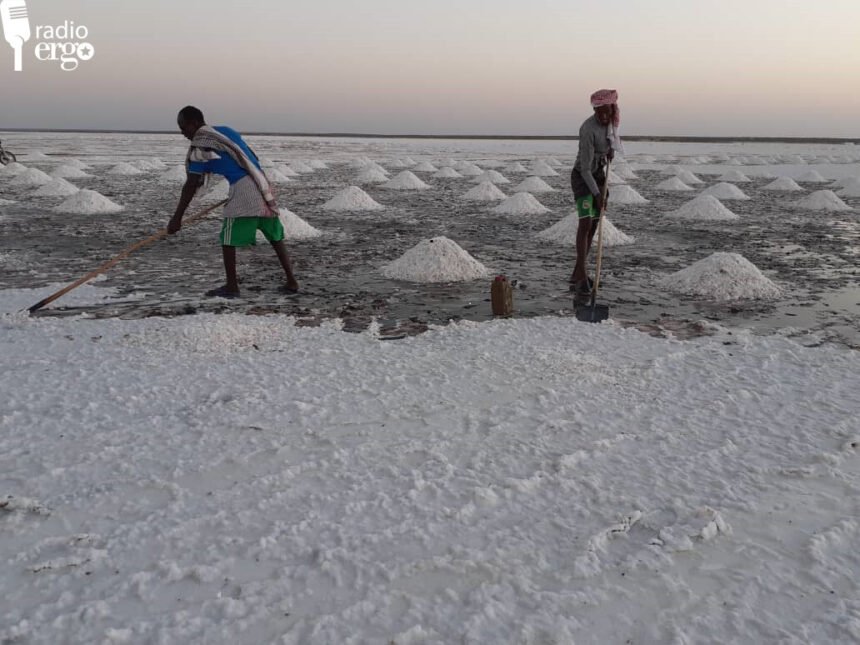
[(480, 137)]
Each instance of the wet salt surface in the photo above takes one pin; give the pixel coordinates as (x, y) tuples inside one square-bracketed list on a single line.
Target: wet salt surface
[(812, 255)]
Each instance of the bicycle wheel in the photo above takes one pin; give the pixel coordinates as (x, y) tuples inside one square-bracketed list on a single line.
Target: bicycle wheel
[(7, 158)]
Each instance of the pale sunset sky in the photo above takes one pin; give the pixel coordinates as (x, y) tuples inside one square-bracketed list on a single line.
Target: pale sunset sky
[(682, 67)]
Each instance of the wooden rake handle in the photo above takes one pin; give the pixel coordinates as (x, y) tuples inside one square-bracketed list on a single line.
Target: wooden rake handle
[(118, 258)]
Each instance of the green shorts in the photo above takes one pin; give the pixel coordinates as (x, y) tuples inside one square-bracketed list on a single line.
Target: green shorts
[(242, 231), (585, 207)]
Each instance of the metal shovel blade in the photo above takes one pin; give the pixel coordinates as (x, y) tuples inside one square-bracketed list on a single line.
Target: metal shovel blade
[(592, 312)]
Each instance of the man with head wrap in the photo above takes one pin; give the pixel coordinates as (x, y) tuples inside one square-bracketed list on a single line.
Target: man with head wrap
[(598, 142)]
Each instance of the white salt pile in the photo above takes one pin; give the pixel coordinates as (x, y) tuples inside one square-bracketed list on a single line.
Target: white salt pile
[(275, 175), (409, 162), (406, 180), (371, 176), (625, 194), (491, 163), (564, 232), (295, 228), (469, 170), (176, 174), (68, 171), (552, 161), (425, 166), (435, 260), (812, 177), (396, 163), (521, 204), (57, 187), (484, 192), (688, 177), (734, 175), (88, 202), (359, 162), (286, 171), (795, 159), (783, 183), (76, 163), (447, 172), (318, 164), (301, 167), (372, 165), (447, 161), (703, 207), (612, 236), (725, 191), (541, 168), (822, 200), (7, 202), (624, 172), (614, 179), (493, 176), (516, 168), (722, 277), (31, 177), (12, 170), (673, 183), (124, 169), (144, 164), (36, 155), (533, 185), (352, 199)]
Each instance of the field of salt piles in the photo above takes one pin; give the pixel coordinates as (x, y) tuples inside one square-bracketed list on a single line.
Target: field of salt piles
[(799, 229)]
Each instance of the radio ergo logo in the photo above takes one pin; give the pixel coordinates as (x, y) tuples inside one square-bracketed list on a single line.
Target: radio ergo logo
[(66, 43)]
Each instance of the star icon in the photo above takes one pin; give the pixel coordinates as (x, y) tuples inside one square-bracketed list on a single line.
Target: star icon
[(86, 51)]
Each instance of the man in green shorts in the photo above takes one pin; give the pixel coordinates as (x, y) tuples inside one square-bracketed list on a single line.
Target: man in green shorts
[(251, 206), (598, 138)]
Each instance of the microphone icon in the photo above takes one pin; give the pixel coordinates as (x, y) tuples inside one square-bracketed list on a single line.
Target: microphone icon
[(16, 26)]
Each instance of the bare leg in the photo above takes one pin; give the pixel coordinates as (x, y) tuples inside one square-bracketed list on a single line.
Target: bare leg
[(229, 253), (584, 236), (284, 258)]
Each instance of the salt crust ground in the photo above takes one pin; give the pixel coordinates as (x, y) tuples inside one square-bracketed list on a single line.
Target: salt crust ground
[(722, 277), (239, 479)]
